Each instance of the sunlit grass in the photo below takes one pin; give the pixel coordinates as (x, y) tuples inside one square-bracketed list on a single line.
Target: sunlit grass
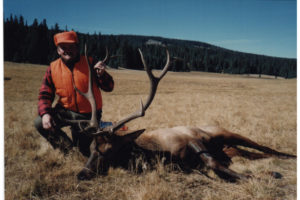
[(261, 109)]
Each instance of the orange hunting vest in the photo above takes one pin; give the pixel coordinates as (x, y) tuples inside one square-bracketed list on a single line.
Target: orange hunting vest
[(69, 98)]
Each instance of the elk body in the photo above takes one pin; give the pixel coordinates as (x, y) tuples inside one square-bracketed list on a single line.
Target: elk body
[(188, 146)]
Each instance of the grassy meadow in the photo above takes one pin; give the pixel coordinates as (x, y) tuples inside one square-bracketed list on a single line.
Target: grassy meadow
[(262, 109)]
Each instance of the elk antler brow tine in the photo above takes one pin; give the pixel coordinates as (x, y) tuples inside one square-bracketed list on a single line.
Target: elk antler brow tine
[(153, 87)]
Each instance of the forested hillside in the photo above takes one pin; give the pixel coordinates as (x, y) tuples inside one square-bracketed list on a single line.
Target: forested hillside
[(34, 44)]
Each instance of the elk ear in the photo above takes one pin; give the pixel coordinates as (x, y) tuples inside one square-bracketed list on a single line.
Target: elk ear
[(132, 135)]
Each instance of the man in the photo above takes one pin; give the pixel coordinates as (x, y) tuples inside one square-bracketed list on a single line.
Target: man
[(59, 77)]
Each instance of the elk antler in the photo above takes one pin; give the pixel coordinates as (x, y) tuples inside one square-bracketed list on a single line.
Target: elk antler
[(89, 95), (153, 87), (93, 123)]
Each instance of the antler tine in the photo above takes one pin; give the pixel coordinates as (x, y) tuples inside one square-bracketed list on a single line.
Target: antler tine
[(153, 83), (166, 67), (106, 55)]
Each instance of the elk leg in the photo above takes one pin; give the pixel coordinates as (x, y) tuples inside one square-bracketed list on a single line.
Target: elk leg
[(222, 171), (233, 139), (235, 151)]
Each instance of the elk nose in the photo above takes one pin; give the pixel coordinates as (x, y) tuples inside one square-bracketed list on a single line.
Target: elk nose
[(84, 176)]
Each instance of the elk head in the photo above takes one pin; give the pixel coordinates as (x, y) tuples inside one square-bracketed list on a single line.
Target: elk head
[(107, 141)]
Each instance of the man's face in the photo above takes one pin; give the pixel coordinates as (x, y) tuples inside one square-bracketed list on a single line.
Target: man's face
[(67, 52)]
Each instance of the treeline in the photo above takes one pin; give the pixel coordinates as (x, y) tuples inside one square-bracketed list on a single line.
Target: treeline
[(34, 44)]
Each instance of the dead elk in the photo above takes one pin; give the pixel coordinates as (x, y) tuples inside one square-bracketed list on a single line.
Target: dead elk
[(188, 146)]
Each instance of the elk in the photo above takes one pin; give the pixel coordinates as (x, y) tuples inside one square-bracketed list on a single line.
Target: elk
[(190, 147)]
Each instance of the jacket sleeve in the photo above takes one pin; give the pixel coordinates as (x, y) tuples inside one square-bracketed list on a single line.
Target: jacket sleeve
[(46, 94), (106, 82)]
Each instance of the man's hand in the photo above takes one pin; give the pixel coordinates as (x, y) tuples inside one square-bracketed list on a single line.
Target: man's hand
[(100, 68), (48, 122)]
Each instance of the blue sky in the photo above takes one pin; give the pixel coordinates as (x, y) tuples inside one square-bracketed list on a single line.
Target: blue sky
[(267, 27)]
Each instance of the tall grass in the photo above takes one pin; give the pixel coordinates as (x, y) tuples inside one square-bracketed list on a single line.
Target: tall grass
[(261, 109)]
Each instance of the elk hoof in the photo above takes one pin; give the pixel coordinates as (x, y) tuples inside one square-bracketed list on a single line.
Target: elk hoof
[(85, 176), (276, 175)]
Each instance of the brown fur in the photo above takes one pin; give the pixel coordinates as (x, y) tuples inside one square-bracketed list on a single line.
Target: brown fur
[(212, 145)]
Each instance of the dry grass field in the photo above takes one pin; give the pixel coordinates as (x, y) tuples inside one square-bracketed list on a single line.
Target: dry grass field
[(261, 109)]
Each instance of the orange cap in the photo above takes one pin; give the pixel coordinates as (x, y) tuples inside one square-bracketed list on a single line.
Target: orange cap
[(65, 37)]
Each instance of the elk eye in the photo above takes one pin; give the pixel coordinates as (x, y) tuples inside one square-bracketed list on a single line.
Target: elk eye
[(101, 140)]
